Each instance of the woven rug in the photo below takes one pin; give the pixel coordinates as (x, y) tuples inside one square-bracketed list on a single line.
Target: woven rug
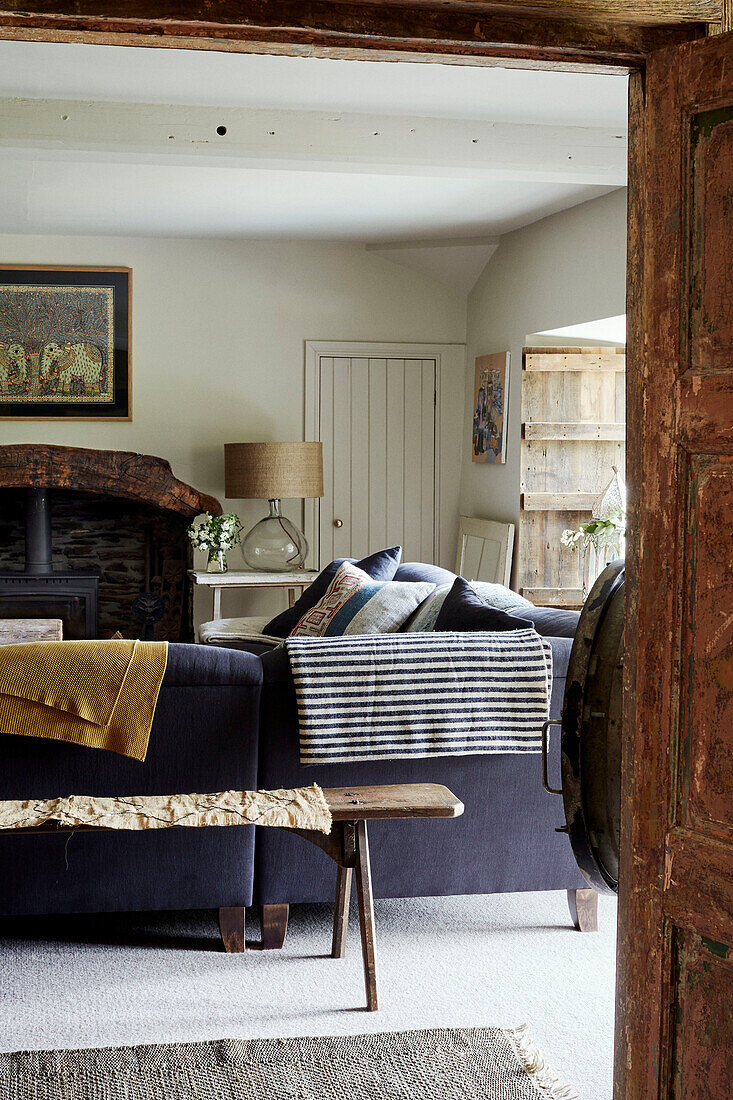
[(436, 1064)]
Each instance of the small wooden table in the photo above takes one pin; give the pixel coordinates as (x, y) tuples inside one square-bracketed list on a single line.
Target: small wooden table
[(347, 845), (234, 579)]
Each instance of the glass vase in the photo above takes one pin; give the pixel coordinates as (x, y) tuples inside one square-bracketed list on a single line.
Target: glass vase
[(217, 562), (274, 545), (599, 552)]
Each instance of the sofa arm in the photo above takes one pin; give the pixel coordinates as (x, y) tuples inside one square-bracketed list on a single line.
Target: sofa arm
[(202, 665), (204, 738)]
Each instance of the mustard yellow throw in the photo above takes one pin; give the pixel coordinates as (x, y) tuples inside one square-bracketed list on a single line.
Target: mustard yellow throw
[(98, 694)]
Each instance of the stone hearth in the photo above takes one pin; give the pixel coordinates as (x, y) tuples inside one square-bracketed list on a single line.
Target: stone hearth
[(115, 513)]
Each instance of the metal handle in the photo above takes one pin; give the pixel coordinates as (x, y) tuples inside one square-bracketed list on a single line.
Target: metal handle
[(338, 523), (545, 750)]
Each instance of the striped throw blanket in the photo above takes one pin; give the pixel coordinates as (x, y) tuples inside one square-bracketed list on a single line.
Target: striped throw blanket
[(381, 696)]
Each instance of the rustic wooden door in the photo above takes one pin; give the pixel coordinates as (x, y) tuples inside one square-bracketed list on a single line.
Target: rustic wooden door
[(675, 1018)]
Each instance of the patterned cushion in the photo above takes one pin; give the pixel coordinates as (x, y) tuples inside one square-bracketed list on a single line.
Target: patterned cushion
[(355, 604), (381, 566)]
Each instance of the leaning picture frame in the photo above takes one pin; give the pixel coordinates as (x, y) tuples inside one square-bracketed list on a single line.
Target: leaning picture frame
[(65, 342)]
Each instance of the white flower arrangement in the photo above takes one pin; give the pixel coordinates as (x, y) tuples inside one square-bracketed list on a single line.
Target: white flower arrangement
[(215, 534), (592, 531)]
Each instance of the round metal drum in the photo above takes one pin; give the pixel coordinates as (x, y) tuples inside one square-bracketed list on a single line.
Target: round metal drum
[(591, 732)]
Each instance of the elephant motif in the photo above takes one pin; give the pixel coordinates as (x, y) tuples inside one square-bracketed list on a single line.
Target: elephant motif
[(61, 365), (13, 364)]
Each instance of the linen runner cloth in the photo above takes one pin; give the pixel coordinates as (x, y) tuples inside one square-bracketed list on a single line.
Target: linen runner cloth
[(378, 697), (101, 694), (296, 808)]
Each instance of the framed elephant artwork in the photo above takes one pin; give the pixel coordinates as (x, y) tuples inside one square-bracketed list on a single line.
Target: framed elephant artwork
[(65, 343)]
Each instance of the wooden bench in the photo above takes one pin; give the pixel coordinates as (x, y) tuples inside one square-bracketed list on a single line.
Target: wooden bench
[(348, 846)]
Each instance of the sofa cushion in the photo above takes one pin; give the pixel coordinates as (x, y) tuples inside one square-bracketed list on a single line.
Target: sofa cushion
[(495, 595), (421, 571), (355, 604), (498, 595), (551, 622), (380, 566), (427, 613), (463, 609)]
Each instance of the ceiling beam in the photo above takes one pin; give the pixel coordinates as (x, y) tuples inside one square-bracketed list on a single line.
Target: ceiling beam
[(316, 140), (383, 30), (605, 11)]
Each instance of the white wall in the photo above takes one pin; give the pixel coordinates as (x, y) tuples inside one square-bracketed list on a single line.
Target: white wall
[(218, 344), (563, 270)]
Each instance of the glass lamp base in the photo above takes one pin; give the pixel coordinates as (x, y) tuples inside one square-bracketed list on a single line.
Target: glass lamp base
[(274, 545)]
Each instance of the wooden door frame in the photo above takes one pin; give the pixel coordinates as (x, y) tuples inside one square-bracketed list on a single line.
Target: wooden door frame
[(576, 34), (449, 358), (504, 32)]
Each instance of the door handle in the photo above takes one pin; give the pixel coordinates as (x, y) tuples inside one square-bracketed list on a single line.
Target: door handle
[(338, 523)]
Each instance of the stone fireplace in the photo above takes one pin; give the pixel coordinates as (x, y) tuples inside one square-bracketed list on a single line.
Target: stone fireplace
[(98, 539)]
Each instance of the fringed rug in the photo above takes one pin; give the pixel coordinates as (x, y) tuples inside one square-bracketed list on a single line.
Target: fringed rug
[(437, 1064)]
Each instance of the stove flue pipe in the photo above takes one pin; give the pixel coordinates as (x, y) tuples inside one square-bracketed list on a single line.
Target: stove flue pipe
[(38, 532)]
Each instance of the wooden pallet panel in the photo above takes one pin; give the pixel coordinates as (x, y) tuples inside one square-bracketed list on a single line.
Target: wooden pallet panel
[(573, 433), (575, 359)]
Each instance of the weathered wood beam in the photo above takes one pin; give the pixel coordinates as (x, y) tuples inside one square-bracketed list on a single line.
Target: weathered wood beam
[(345, 28), (607, 11)]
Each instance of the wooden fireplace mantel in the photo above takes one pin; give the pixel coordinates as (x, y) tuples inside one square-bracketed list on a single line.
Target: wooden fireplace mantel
[(142, 478)]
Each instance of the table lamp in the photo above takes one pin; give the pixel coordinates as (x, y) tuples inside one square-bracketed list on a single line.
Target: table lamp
[(273, 472)]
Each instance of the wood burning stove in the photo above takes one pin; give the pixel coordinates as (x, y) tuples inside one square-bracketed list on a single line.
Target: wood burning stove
[(39, 592)]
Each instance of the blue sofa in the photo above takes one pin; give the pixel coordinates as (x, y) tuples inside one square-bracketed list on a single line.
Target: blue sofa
[(227, 719), (504, 842), (204, 738)]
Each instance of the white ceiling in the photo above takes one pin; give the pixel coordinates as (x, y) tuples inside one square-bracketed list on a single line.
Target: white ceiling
[(315, 149)]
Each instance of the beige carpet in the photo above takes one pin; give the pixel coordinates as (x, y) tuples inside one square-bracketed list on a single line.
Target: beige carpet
[(499, 960), (437, 1064)]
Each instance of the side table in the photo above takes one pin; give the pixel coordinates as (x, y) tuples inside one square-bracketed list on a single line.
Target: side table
[(217, 582)]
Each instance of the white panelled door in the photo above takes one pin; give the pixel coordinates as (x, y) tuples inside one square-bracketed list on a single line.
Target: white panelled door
[(376, 418)]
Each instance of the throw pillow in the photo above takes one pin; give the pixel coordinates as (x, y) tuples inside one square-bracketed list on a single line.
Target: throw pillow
[(380, 566), (427, 613), (355, 604), (463, 610), (498, 595)]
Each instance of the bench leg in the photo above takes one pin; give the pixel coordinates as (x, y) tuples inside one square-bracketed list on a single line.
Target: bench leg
[(366, 915), (274, 924), (341, 914), (232, 926), (583, 906)]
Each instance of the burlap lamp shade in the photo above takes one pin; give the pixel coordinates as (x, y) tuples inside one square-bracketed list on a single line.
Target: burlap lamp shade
[(272, 472)]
